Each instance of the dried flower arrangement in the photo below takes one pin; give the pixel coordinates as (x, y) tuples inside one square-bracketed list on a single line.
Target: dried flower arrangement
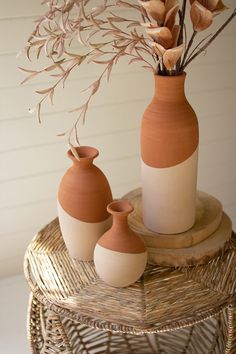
[(149, 36)]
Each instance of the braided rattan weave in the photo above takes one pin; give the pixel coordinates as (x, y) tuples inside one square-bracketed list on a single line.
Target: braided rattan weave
[(168, 311)]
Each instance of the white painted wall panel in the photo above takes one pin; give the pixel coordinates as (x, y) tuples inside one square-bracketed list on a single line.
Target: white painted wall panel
[(33, 159), (100, 120), (25, 9), (17, 30), (23, 97), (31, 216)]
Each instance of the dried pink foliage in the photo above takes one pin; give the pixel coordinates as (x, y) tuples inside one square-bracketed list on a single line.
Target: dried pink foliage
[(76, 32)]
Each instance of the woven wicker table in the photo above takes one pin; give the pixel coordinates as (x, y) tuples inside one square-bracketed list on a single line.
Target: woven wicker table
[(168, 311)]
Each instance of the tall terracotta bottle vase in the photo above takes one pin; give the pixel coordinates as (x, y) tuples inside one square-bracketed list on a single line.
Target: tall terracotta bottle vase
[(169, 151), (83, 196), (120, 256)]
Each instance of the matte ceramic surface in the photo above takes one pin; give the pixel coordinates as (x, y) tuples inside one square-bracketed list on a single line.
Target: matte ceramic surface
[(81, 237), (84, 191), (83, 196), (169, 145), (120, 237), (169, 131), (169, 196), (119, 269), (120, 256)]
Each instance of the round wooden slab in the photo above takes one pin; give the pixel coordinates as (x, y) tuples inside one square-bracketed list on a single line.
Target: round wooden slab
[(208, 219), (200, 253), (208, 236)]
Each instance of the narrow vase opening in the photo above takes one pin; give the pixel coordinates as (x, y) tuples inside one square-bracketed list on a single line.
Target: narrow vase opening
[(120, 207), (86, 154)]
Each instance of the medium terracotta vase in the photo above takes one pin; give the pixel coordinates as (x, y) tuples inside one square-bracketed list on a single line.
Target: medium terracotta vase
[(169, 152), (83, 196), (120, 256)]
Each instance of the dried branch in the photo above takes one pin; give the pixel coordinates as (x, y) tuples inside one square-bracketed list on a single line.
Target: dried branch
[(204, 47), (103, 36), (198, 46), (181, 22), (188, 48)]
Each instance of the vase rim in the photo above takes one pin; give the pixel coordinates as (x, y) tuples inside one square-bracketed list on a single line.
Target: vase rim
[(84, 153), (183, 74), (120, 207)]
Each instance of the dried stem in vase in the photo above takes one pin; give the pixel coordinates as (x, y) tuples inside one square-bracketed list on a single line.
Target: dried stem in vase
[(152, 33)]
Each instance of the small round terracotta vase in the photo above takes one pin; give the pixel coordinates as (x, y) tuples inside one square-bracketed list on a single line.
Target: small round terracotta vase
[(83, 196), (120, 256), (169, 151)]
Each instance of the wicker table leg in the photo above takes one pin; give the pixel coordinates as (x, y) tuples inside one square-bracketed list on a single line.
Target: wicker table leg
[(56, 340), (231, 335), (34, 329), (45, 331)]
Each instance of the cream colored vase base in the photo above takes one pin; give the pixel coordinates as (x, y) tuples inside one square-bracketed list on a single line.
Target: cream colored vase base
[(169, 196), (80, 237), (207, 237), (119, 269)]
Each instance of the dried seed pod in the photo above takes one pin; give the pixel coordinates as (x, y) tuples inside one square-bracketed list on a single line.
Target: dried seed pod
[(155, 8), (169, 4), (175, 34), (158, 49), (170, 17), (220, 7), (171, 56), (161, 35), (201, 17), (208, 4), (212, 5)]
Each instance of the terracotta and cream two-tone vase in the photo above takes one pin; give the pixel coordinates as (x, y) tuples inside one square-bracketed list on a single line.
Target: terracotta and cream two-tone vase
[(169, 152), (120, 256), (83, 196)]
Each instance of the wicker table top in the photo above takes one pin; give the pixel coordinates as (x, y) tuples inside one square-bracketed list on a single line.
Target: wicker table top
[(163, 299)]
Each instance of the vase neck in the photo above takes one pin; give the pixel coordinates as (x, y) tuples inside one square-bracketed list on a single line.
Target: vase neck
[(170, 88), (83, 163), (120, 237), (120, 209), (120, 222)]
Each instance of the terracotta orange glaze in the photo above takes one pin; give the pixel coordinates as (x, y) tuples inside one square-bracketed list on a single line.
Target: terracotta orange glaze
[(84, 191), (120, 237), (169, 133)]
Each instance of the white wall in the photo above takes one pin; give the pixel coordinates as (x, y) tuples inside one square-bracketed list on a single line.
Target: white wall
[(32, 158)]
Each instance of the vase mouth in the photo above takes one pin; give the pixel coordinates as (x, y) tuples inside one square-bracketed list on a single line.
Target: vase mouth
[(182, 74), (83, 152), (120, 207)]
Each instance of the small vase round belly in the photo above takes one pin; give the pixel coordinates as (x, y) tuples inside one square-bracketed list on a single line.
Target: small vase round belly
[(120, 256), (83, 196), (169, 152)]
